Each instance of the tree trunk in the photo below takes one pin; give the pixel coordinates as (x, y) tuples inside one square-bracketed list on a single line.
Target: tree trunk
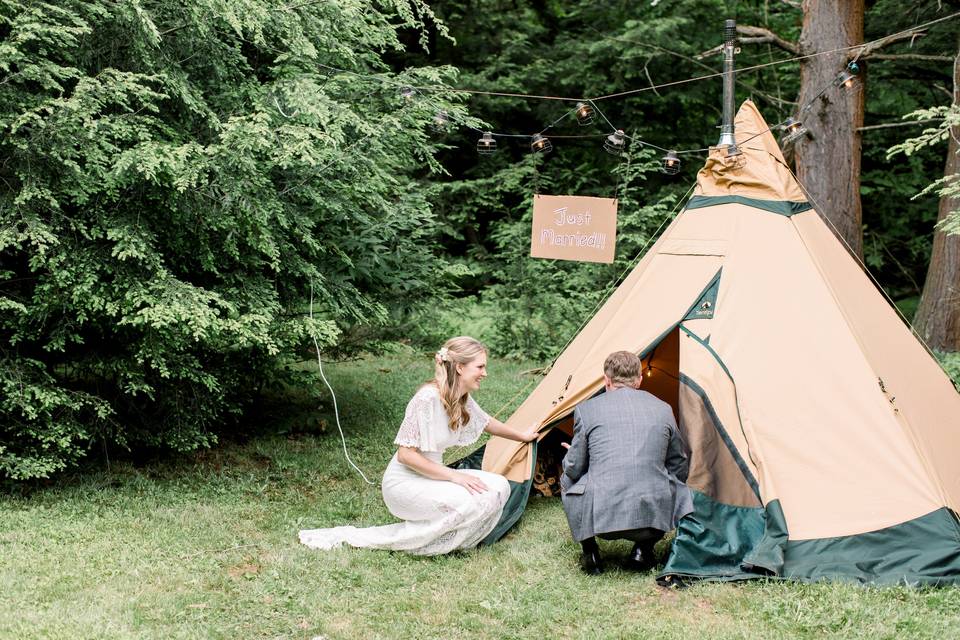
[(938, 316), (828, 166)]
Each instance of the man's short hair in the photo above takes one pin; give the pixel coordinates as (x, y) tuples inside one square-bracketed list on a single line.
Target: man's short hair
[(622, 367)]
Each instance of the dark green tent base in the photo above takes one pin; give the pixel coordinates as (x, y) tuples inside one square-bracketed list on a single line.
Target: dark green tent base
[(516, 503), (722, 542)]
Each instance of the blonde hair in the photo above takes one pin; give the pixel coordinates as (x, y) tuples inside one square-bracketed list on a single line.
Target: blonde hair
[(459, 350)]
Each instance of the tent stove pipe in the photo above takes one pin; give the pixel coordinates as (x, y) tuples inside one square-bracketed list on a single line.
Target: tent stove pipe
[(729, 98)]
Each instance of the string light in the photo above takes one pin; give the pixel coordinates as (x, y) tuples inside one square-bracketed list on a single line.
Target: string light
[(585, 114), (615, 143), (670, 164), (793, 130), (486, 145), (540, 144), (441, 122), (847, 77)]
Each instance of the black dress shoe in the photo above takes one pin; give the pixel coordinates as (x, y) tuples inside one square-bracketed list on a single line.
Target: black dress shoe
[(641, 559), (590, 563)]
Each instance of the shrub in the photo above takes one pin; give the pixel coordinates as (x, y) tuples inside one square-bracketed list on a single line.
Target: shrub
[(178, 179)]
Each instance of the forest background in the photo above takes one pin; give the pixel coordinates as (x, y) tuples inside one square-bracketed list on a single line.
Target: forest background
[(195, 195)]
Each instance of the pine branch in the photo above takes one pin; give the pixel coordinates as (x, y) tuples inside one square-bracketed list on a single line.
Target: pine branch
[(909, 56), (868, 50), (761, 35), (889, 125), (756, 35)]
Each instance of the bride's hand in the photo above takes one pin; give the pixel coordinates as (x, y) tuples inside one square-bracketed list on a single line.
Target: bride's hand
[(530, 434), (468, 481)]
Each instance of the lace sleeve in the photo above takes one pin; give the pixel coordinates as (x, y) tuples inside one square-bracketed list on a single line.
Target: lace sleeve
[(417, 430), (478, 422)]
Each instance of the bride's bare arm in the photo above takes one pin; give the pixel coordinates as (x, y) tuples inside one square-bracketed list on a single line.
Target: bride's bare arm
[(497, 428), (412, 458)]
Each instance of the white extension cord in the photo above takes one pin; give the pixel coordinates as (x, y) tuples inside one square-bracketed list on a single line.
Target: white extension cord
[(336, 412)]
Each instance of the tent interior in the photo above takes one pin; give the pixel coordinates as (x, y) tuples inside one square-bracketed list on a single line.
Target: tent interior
[(661, 377), (715, 466)]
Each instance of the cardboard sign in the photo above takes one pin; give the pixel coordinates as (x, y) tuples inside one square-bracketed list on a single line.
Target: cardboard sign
[(574, 228)]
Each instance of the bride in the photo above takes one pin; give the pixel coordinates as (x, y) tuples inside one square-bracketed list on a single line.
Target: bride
[(443, 509)]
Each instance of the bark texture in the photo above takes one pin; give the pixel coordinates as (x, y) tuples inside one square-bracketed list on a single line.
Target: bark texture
[(938, 316), (828, 165)]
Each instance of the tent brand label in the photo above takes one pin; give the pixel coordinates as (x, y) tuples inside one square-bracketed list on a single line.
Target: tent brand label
[(574, 228)]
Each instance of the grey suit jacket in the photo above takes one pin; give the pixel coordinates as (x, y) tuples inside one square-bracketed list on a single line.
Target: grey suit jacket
[(626, 466)]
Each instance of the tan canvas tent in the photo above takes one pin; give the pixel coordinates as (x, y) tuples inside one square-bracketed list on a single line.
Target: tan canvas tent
[(823, 437)]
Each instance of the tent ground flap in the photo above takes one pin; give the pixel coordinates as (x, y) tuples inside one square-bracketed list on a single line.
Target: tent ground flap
[(713, 542), (719, 542)]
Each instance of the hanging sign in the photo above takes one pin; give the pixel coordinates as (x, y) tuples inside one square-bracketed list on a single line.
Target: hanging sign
[(574, 228)]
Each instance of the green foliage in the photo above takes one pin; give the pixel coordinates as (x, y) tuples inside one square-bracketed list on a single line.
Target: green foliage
[(950, 361), (178, 179), (948, 186), (573, 50), (899, 212)]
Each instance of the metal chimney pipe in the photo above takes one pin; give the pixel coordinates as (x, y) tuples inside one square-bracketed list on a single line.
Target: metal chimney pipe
[(729, 97)]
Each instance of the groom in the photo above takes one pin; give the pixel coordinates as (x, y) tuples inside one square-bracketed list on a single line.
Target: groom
[(623, 474)]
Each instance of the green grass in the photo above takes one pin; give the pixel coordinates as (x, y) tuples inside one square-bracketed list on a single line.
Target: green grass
[(206, 547)]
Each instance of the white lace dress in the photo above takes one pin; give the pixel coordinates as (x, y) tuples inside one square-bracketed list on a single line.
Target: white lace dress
[(439, 516)]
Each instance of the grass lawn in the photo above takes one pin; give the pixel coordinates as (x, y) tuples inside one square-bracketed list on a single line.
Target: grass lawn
[(206, 547)]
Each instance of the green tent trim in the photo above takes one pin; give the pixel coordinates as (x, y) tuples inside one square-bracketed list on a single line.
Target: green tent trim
[(706, 304), (516, 503), (721, 542), (924, 551), (781, 207), (713, 542)]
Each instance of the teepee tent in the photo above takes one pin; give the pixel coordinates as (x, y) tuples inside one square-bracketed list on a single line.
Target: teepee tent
[(823, 437)]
